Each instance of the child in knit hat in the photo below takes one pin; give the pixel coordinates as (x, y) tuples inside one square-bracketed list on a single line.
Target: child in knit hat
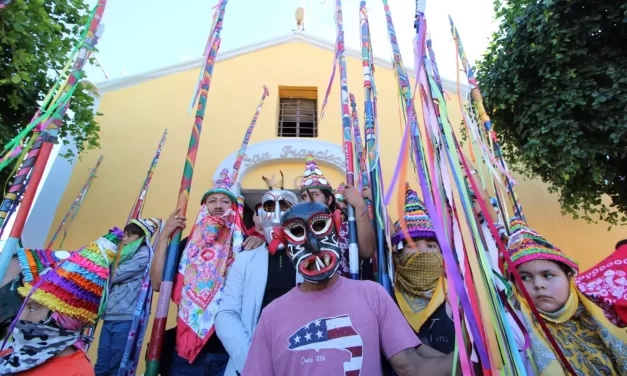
[(590, 343), (65, 293), (126, 284)]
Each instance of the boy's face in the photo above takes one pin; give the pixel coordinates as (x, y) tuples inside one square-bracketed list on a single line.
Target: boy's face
[(546, 283), (218, 204), (422, 245), (129, 238), (34, 312), (317, 195)]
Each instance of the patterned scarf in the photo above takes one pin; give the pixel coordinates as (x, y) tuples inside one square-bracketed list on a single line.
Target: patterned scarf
[(36, 343), (343, 239), (419, 286), (201, 275), (592, 345)]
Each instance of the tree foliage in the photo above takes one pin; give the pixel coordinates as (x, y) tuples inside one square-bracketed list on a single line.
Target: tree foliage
[(36, 37), (555, 82)]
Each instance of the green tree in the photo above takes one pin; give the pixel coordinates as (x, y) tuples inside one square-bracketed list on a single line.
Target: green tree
[(554, 80), (36, 37)]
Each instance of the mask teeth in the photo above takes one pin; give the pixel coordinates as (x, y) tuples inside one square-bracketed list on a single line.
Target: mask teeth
[(319, 263), (327, 259)]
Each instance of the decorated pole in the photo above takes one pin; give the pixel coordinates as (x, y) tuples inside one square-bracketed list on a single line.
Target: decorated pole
[(74, 208), (139, 203), (249, 133), (477, 99), (353, 251), (359, 150), (372, 151), (452, 268), (49, 137), (165, 291)]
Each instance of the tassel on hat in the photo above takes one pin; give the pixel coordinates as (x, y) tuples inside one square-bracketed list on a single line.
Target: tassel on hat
[(222, 185), (339, 192), (418, 222), (313, 177), (527, 245)]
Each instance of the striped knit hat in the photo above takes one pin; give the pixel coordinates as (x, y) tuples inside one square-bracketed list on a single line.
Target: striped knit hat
[(418, 222), (148, 225), (77, 288), (313, 177), (222, 185), (339, 192), (527, 245)]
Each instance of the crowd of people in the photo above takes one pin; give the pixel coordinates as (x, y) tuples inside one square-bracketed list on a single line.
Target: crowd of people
[(276, 299)]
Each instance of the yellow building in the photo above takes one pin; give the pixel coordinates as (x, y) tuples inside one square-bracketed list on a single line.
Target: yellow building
[(296, 70)]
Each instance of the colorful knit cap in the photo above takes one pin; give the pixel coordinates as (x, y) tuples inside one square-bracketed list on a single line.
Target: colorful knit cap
[(313, 177), (339, 192), (148, 225), (222, 185), (76, 288), (418, 222), (527, 245)]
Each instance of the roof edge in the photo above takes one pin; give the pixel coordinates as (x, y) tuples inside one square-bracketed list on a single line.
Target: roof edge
[(136, 79)]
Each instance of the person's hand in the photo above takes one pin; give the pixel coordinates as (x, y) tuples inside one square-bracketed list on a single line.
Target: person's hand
[(366, 193), (252, 242), (353, 197), (173, 223)]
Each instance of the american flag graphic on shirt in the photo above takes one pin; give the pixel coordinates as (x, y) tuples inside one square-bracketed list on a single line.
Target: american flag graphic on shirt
[(331, 333)]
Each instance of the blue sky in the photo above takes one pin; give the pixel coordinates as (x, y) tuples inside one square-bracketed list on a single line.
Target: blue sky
[(142, 35)]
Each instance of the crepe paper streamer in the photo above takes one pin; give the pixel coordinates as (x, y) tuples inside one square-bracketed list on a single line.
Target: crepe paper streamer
[(74, 208), (487, 123), (328, 92), (165, 291), (49, 137), (453, 272), (362, 172), (372, 152), (353, 251), (249, 132)]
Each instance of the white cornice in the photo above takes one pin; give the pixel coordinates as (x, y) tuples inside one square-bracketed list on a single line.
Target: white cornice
[(124, 82)]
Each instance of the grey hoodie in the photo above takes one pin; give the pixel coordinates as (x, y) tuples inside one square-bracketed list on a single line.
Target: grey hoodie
[(126, 286)]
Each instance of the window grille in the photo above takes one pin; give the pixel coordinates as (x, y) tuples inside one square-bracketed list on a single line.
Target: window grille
[(298, 117)]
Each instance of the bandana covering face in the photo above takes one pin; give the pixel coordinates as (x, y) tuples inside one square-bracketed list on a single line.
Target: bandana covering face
[(201, 275), (35, 343), (592, 345), (419, 285), (312, 244)]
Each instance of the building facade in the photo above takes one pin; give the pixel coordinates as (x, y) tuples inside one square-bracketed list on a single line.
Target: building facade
[(296, 69)]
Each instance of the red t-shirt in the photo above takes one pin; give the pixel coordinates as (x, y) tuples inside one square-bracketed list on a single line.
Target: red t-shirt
[(75, 364)]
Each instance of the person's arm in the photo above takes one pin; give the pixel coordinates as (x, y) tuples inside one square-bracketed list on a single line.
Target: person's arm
[(174, 222), (229, 326), (365, 233), (133, 267), (422, 361), (259, 360), (13, 270)]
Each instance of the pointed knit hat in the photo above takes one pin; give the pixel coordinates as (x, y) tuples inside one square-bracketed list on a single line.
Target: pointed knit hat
[(222, 185), (313, 177), (418, 222), (149, 225), (339, 192), (527, 245), (78, 284)]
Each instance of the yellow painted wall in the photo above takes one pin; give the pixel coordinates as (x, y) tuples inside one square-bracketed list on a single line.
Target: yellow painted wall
[(134, 119)]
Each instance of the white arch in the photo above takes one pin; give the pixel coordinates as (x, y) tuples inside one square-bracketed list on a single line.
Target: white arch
[(284, 150)]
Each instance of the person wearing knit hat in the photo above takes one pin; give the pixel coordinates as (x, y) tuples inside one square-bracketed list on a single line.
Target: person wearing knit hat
[(126, 286), (589, 342), (314, 185), (64, 294), (203, 261), (420, 281)]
